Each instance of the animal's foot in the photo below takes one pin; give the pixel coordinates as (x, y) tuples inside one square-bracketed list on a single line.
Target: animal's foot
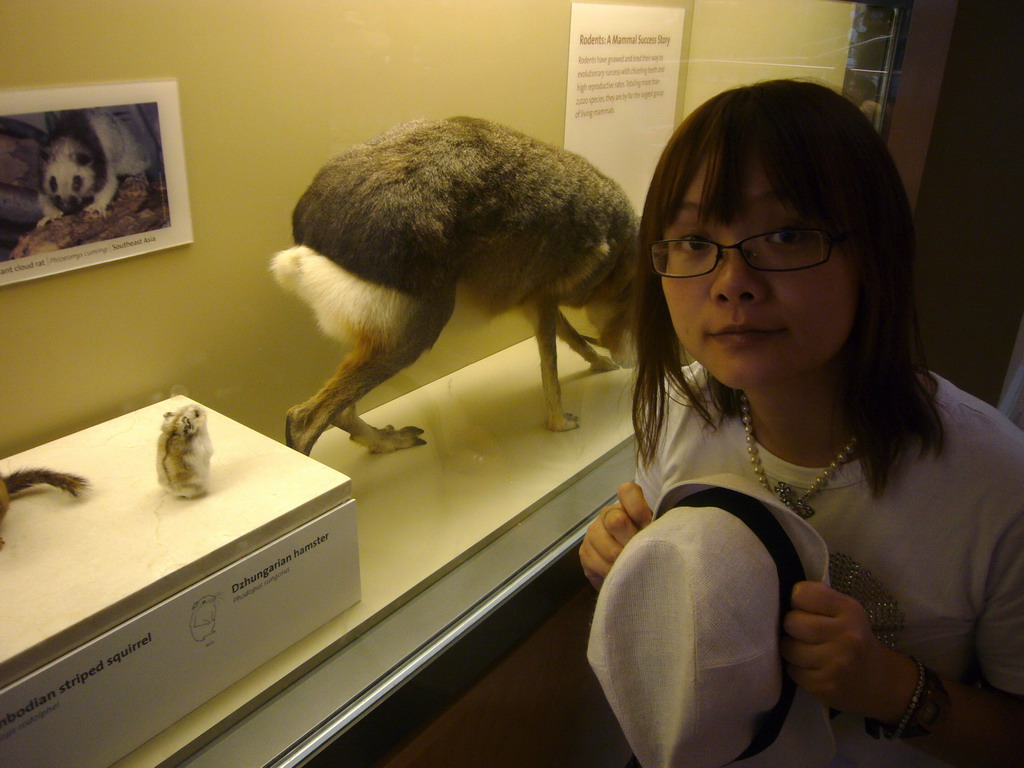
[(601, 364), (298, 437), (388, 439), (562, 423)]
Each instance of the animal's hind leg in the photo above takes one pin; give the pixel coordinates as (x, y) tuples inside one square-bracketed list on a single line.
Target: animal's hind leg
[(377, 440), (545, 319), (581, 346), (361, 370), (386, 341)]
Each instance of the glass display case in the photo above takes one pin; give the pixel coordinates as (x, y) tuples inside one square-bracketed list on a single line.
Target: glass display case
[(449, 532), (877, 37), (854, 47)]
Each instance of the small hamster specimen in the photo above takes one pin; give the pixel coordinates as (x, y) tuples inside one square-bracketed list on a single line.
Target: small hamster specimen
[(86, 154), (25, 478), (183, 452)]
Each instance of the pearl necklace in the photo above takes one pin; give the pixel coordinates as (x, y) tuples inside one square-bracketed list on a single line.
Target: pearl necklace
[(784, 492)]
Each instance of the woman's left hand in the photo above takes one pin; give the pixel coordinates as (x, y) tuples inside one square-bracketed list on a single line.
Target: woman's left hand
[(834, 656)]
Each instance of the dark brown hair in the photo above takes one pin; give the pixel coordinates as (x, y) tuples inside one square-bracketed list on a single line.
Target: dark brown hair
[(824, 159)]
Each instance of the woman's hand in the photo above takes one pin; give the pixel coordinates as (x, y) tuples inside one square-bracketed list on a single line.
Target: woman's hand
[(834, 656), (613, 528)]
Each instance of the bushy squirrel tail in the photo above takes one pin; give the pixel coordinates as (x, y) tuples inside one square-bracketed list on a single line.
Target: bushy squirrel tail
[(21, 479)]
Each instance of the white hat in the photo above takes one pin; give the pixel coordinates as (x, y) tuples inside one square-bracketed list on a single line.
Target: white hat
[(685, 639)]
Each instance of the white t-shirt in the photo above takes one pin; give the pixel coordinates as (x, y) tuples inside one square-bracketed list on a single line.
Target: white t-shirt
[(937, 560)]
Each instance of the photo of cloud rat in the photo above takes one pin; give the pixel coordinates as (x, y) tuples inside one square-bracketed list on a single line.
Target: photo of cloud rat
[(183, 452), (87, 154), (21, 479)]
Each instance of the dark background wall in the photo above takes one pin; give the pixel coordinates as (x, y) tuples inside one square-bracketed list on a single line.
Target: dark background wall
[(970, 208)]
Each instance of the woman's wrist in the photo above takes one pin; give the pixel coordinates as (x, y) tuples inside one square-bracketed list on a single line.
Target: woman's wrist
[(925, 708), (896, 730), (899, 679)]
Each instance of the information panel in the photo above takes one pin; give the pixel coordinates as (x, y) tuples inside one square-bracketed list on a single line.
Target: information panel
[(623, 77)]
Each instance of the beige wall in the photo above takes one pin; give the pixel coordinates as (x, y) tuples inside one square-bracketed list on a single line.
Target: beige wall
[(734, 42), (269, 90)]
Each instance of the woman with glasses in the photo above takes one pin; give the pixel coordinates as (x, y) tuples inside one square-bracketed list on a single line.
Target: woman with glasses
[(777, 341)]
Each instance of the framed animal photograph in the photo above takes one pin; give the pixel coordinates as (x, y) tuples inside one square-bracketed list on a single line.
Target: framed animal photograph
[(89, 174)]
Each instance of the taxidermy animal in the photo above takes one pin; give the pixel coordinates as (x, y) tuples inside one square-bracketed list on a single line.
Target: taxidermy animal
[(26, 478), (183, 452), (87, 153), (387, 230)]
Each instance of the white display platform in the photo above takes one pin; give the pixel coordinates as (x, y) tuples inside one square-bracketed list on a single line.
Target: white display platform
[(107, 697), (487, 464), (75, 568)]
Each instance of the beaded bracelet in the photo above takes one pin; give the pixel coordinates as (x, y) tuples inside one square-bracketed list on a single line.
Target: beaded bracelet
[(915, 702)]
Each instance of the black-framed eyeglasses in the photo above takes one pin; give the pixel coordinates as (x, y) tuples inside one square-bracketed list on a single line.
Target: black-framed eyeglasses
[(782, 250)]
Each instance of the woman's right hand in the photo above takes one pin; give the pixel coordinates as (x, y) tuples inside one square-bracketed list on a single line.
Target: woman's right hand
[(613, 528)]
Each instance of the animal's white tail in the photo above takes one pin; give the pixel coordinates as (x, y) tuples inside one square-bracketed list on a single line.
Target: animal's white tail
[(346, 307)]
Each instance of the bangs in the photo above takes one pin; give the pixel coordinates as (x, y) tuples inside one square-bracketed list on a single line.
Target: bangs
[(740, 129), (748, 133)]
